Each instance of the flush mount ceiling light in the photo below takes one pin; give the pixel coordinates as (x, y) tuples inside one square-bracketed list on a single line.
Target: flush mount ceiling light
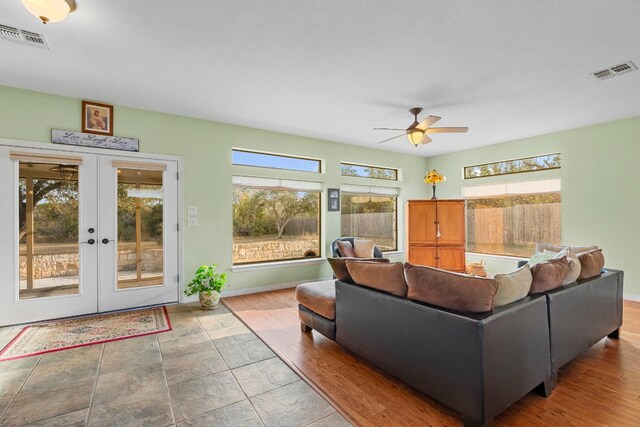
[(50, 10)]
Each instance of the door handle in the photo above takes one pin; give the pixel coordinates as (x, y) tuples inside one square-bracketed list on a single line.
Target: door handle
[(90, 241), (106, 241)]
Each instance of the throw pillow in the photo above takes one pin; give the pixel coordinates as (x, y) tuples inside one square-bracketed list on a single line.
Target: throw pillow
[(345, 249), (363, 248), (574, 265), (592, 263), (548, 275), (450, 290), (339, 266), (538, 257), (387, 277), (513, 286)]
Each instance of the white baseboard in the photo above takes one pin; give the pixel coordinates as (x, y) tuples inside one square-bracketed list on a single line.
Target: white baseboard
[(258, 289), (631, 297)]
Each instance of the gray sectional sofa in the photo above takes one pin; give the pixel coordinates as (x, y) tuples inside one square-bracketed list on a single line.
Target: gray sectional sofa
[(477, 364)]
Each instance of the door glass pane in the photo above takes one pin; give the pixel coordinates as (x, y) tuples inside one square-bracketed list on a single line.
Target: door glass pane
[(48, 229), (140, 228)]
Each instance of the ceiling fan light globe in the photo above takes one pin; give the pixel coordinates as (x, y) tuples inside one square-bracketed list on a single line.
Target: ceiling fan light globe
[(415, 136), (49, 10)]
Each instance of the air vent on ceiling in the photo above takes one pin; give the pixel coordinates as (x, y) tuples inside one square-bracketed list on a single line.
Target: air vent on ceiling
[(29, 38), (614, 71)]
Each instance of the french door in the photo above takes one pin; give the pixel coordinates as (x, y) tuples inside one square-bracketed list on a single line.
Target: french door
[(85, 233)]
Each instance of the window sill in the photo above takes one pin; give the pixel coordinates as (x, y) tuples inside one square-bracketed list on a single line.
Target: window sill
[(277, 264), (392, 253), (499, 257)]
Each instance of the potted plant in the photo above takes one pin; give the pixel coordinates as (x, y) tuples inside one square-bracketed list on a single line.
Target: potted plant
[(208, 284)]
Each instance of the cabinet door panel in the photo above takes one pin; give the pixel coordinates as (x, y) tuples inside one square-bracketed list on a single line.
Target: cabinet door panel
[(451, 221), (423, 255), (422, 222), (452, 259)]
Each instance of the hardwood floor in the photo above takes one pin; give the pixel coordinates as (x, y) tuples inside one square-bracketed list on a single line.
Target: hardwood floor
[(601, 387)]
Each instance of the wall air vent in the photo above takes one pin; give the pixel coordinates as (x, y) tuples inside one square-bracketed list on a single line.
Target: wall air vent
[(614, 71), (29, 38)]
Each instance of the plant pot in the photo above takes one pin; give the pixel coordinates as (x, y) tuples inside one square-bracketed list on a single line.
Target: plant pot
[(209, 300)]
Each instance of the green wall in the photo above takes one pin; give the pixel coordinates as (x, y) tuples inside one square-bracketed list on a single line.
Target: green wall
[(206, 149), (600, 185)]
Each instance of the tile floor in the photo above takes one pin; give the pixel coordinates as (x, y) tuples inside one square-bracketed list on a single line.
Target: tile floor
[(210, 370)]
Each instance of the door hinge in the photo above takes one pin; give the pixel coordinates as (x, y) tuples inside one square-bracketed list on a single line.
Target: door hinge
[(177, 175), (178, 278), (178, 227)]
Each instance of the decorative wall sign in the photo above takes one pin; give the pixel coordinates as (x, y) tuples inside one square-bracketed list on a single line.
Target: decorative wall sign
[(68, 137), (334, 199), (97, 118)]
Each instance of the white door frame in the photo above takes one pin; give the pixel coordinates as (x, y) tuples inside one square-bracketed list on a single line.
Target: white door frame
[(148, 156)]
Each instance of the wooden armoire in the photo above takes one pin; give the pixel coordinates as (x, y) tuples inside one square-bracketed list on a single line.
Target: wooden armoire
[(437, 234)]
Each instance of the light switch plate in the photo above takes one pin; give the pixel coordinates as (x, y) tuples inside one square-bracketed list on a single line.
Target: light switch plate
[(192, 222), (193, 210)]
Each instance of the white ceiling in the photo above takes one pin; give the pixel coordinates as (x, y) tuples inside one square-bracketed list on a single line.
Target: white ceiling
[(334, 69)]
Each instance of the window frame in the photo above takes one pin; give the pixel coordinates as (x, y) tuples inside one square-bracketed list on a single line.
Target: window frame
[(396, 198), (551, 181), (464, 168), (297, 260), (320, 162), (396, 170)]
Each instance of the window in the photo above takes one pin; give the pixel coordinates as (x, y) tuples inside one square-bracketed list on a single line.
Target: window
[(370, 213), (527, 164), (363, 171), (508, 219), (275, 220), (275, 161), (48, 217)]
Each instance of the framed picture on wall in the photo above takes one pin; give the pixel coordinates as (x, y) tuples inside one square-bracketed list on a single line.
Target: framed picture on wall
[(97, 118), (334, 199)]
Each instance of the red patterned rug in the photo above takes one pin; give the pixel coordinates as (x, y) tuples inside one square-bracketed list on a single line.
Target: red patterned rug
[(82, 331)]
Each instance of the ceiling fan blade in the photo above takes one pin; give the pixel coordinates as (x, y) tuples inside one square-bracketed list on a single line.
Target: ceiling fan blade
[(426, 140), (430, 120), (447, 130), (398, 136), (387, 129)]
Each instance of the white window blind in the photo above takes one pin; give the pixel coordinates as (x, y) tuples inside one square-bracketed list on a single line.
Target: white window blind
[(45, 158), (366, 189), (276, 184), (124, 164), (512, 188)]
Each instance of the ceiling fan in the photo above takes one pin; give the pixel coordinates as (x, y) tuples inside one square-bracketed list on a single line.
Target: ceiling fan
[(417, 131)]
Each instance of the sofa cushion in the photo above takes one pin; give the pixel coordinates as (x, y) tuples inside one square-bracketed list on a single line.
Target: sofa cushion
[(450, 290), (319, 297), (345, 249), (549, 275), (339, 266), (592, 263), (582, 249), (387, 277), (513, 286), (363, 248), (574, 265)]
